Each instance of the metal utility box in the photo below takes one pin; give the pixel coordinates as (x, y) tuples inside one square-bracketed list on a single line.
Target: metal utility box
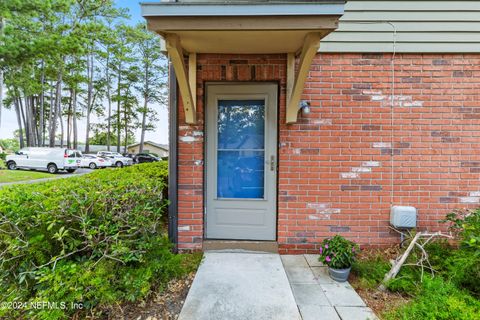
[(403, 217)]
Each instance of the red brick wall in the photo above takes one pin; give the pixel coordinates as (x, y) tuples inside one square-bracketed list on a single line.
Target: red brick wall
[(212, 67), (335, 164)]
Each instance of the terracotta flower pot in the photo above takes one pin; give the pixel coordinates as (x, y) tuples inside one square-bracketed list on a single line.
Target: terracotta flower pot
[(340, 275)]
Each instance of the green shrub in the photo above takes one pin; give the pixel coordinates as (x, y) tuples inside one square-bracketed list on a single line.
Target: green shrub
[(463, 267), (2, 161), (370, 271), (449, 295), (439, 251), (466, 223), (438, 300), (10, 145), (92, 239), (406, 282)]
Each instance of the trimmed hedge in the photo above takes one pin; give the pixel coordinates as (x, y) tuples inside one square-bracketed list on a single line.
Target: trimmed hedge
[(438, 299), (3, 156), (90, 240)]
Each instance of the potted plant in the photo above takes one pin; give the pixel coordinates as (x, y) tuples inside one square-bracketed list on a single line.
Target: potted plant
[(338, 254)]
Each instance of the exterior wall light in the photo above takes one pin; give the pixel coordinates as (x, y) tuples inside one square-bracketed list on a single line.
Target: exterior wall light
[(305, 107)]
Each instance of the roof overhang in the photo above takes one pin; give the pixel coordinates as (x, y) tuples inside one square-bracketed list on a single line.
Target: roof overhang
[(241, 28)]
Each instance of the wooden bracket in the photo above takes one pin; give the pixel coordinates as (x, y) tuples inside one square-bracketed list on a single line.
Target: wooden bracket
[(192, 77), (186, 82), (295, 84), (290, 75)]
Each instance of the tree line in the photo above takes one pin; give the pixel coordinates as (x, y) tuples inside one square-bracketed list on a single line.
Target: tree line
[(66, 60)]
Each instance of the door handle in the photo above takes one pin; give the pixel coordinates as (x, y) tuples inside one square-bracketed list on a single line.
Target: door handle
[(272, 163)]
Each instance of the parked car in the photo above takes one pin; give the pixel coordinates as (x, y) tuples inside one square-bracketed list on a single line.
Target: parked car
[(145, 157), (117, 159), (52, 159), (93, 162)]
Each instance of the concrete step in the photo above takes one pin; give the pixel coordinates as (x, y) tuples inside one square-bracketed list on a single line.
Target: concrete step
[(240, 246)]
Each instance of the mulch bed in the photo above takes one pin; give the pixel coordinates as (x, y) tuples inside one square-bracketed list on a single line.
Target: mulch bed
[(379, 301), (159, 306)]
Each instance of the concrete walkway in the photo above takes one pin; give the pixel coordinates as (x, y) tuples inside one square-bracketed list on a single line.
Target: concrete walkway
[(320, 297), (241, 285)]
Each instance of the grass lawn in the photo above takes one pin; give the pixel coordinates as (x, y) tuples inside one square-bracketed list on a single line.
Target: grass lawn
[(21, 175)]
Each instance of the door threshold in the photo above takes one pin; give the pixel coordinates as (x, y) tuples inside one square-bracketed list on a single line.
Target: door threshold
[(240, 245)]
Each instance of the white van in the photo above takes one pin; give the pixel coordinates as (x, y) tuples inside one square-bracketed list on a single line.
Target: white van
[(52, 159)]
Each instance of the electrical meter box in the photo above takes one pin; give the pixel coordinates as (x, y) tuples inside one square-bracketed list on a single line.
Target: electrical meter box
[(403, 217)]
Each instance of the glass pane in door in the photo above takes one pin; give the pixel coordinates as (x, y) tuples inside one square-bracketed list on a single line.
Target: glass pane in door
[(240, 149)]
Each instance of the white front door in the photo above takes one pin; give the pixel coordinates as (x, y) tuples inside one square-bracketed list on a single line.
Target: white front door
[(241, 161)]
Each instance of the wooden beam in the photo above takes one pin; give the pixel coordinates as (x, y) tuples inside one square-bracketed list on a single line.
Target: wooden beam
[(175, 53), (290, 75), (192, 77), (203, 23), (309, 50)]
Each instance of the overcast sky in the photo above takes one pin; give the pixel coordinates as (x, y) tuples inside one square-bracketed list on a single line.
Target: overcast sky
[(8, 122)]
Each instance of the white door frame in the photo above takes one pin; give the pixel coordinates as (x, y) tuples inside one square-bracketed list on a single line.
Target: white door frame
[(241, 219)]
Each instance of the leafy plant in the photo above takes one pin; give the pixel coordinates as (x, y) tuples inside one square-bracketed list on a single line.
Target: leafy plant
[(466, 224), (3, 156), (462, 267), (438, 299), (9, 145), (450, 294), (338, 252), (370, 271), (407, 281), (94, 239)]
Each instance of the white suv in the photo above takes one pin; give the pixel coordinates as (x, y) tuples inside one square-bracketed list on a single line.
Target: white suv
[(118, 160)]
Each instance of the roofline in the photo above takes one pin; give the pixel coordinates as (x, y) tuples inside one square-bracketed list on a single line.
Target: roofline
[(149, 142), (191, 9)]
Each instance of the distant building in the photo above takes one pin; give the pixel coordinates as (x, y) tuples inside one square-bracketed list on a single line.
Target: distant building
[(149, 147), (95, 148)]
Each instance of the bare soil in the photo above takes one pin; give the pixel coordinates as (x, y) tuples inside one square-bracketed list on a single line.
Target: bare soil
[(379, 301), (165, 305)]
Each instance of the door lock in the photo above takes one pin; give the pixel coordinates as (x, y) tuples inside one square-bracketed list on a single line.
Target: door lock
[(272, 163)]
